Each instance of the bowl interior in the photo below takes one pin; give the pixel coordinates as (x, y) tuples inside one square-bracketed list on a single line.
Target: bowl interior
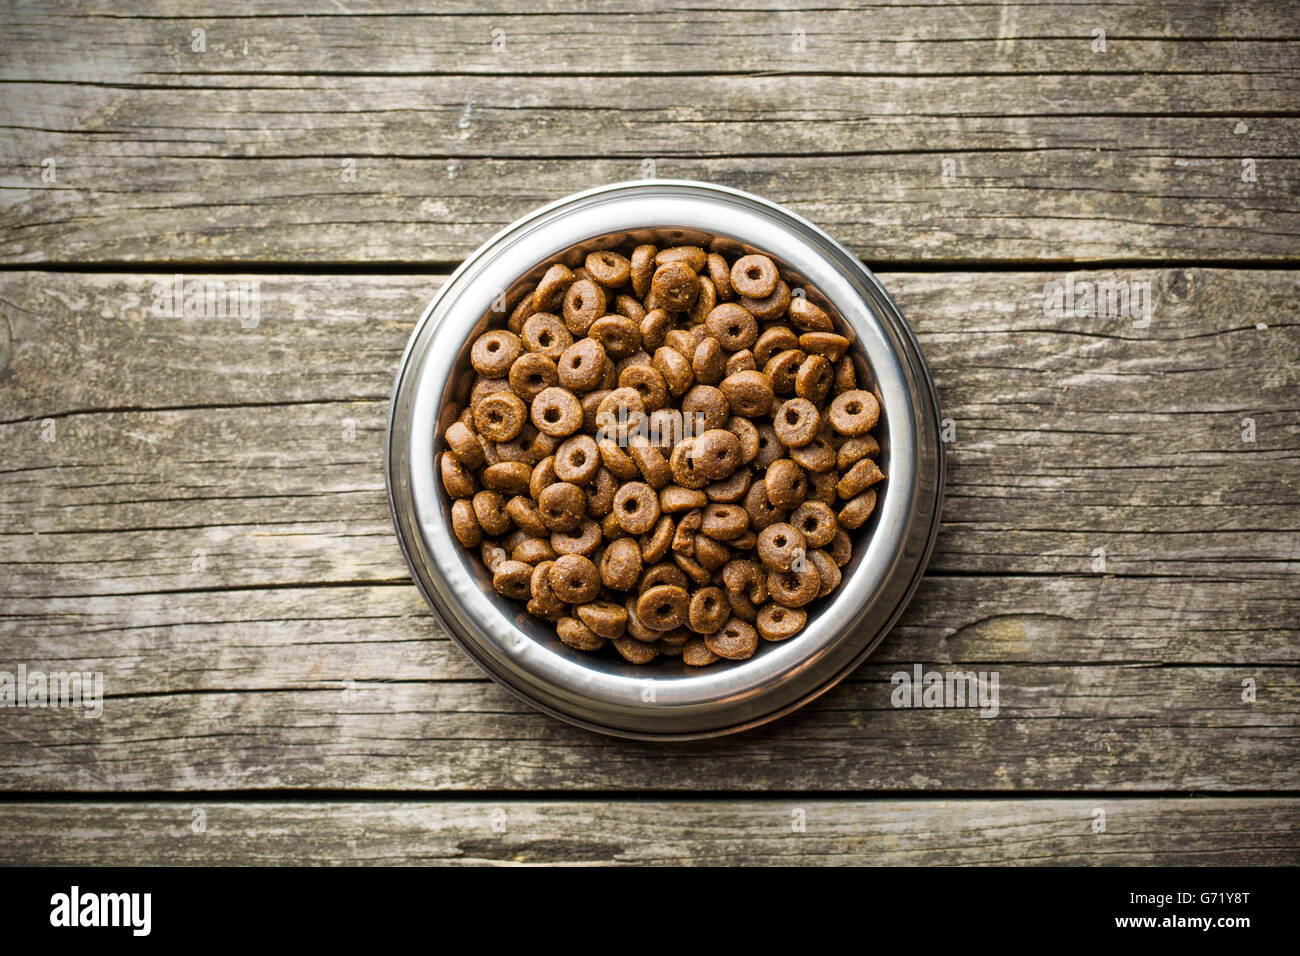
[(456, 397)]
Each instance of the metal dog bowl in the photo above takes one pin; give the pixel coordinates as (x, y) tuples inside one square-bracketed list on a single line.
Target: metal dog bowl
[(665, 699)]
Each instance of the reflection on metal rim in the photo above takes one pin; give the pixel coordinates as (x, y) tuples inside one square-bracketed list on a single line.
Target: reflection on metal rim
[(666, 700)]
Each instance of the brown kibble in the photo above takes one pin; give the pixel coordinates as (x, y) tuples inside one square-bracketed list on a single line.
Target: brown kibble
[(828, 572), (533, 550), (675, 368), (605, 618), (719, 275), (717, 453), (642, 268), (846, 376), (464, 525), (817, 456), (494, 352), (841, 548), (584, 540), (781, 546), (674, 499), (830, 345), (693, 256), (456, 479), (759, 507), (709, 363), (620, 565), (511, 579), (771, 307), (500, 417), (733, 326), (634, 651), (556, 412), (754, 276), (814, 378), (695, 653), (609, 268), (654, 327), (851, 451), (655, 544), (574, 579), (786, 484), (854, 412), (778, 623), (577, 461), (620, 335), (545, 334), (794, 588), (663, 607), (674, 286), (708, 610), (523, 512), (705, 407), (807, 317), (796, 422), (562, 506), (723, 522), (682, 463), (550, 291), (648, 382), (637, 507), (748, 393), (732, 488), (578, 635), (600, 496), (859, 478), (855, 514), (464, 445), (745, 430), (531, 373), (816, 522), (490, 510), (736, 641), (650, 461), (773, 341)]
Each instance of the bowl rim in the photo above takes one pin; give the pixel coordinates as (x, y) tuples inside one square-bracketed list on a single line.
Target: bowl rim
[(721, 687)]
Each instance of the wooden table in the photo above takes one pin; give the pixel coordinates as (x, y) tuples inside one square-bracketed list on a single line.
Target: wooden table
[(195, 507)]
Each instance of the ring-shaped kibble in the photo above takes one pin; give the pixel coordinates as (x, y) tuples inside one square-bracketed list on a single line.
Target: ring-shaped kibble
[(655, 544), (641, 269), (456, 478), (582, 365), (500, 417), (490, 510), (732, 488), (584, 303), (523, 512), (574, 579), (577, 460), (859, 478), (583, 540), (494, 352), (664, 428), (648, 382), (693, 569), (742, 361), (634, 651), (637, 507), (545, 334), (578, 635), (717, 453), (604, 618), (854, 412), (705, 301), (616, 460), (704, 407), (543, 476), (807, 317), (684, 340), (675, 367), (654, 327), (796, 422), (608, 268), (747, 433), (778, 623), (590, 404), (630, 308), (736, 641), (695, 653), (759, 507), (814, 378), (550, 290), (664, 572), (556, 412), (821, 486), (708, 610), (464, 524), (781, 546), (855, 514), (464, 445), (531, 373), (724, 522), (675, 499), (773, 341), (733, 326), (828, 572), (710, 553), (529, 446), (600, 496), (720, 275), (561, 506), (693, 256), (818, 456), (619, 407), (484, 387), (511, 579), (663, 607), (709, 363), (786, 484), (754, 276), (771, 307), (522, 310), (816, 522), (748, 393), (846, 375), (782, 368), (532, 550), (619, 335), (682, 464), (745, 576), (674, 286), (620, 565), (794, 588), (636, 628)]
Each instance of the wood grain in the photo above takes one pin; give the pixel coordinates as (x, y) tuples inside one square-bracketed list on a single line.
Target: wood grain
[(1056, 832)]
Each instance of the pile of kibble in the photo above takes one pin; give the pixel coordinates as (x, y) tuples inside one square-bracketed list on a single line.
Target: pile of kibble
[(664, 452)]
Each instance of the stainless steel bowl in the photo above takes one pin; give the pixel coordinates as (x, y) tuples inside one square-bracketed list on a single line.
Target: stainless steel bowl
[(665, 700)]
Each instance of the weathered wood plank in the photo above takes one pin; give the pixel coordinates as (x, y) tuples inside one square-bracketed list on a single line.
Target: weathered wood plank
[(154, 40), (945, 169), (1068, 726), (194, 454), (1133, 832)]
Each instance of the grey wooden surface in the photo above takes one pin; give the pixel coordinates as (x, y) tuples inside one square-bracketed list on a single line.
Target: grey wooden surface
[(208, 527)]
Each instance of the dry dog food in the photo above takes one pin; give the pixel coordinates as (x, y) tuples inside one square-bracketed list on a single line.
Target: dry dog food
[(665, 452)]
